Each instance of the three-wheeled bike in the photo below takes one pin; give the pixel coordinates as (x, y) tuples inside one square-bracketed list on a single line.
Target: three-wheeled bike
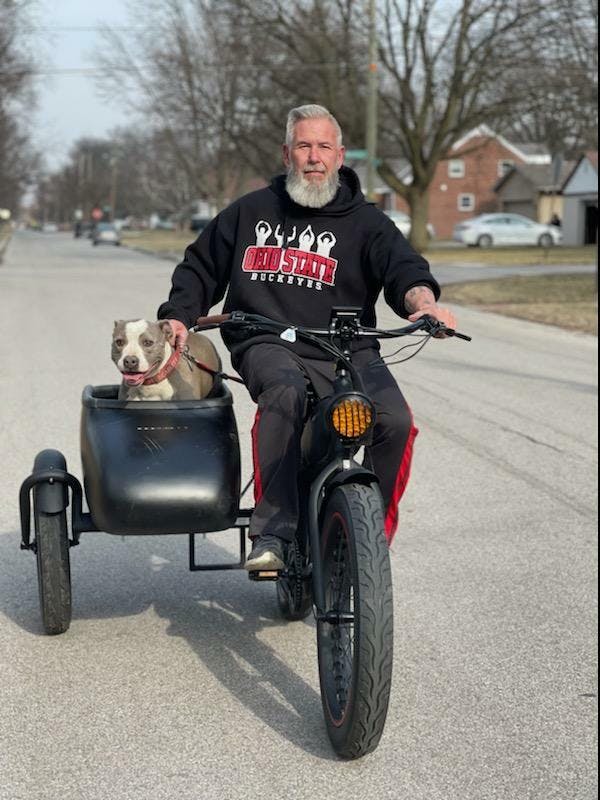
[(174, 468)]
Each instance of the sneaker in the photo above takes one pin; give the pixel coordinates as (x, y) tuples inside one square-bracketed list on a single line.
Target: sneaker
[(268, 553)]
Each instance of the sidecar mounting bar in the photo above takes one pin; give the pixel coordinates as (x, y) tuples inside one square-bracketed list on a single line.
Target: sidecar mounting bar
[(241, 523)]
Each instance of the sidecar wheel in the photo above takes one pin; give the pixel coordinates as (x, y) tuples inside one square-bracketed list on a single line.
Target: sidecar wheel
[(355, 658), (294, 594), (53, 570)]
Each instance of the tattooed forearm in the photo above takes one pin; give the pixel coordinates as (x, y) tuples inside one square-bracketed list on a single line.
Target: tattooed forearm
[(417, 297)]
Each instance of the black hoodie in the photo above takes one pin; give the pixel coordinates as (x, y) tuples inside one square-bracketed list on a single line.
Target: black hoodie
[(293, 263)]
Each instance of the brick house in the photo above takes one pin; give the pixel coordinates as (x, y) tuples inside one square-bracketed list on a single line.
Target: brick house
[(463, 185)]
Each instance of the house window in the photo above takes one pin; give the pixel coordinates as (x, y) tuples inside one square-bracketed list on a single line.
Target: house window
[(466, 202), (505, 166), (456, 168)]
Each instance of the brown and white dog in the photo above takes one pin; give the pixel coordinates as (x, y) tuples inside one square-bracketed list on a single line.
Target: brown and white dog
[(153, 370)]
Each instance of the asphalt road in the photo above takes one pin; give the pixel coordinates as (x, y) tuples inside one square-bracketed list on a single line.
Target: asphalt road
[(455, 273), (171, 684)]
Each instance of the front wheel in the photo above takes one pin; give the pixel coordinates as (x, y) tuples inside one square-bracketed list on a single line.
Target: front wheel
[(53, 569), (545, 240), (355, 655)]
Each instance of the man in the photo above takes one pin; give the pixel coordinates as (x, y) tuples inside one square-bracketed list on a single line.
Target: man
[(291, 251)]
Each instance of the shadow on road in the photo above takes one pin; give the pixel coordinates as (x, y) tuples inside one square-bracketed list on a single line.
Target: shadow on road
[(222, 616)]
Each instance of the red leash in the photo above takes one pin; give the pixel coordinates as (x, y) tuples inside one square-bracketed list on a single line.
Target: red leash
[(215, 373), (172, 362)]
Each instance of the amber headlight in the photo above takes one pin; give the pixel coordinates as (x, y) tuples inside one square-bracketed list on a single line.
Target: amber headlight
[(352, 416)]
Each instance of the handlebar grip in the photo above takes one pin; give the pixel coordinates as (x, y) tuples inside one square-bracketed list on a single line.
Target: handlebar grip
[(215, 319), (462, 336)]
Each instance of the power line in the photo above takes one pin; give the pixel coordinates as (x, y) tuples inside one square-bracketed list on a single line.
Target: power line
[(132, 69), (85, 28), (565, 69)]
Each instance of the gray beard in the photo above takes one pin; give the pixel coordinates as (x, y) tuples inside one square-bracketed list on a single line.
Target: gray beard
[(311, 195)]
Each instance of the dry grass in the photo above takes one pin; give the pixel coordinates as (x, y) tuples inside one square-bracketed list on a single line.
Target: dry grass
[(164, 242), (568, 301), (175, 242), (508, 256)]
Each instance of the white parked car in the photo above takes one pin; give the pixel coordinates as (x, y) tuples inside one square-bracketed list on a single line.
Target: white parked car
[(488, 230), (402, 222)]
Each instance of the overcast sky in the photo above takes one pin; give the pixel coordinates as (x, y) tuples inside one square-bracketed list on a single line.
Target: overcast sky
[(68, 105)]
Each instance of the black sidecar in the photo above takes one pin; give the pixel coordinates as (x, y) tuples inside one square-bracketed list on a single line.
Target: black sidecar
[(159, 467), (148, 468)]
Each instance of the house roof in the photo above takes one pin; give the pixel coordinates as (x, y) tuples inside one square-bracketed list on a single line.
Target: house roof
[(528, 152), (532, 148), (592, 157), (543, 177)]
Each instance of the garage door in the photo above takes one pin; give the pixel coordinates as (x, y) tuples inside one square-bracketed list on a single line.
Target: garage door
[(524, 207)]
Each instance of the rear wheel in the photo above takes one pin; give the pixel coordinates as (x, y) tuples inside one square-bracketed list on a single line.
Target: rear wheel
[(485, 241), (54, 570), (294, 595), (355, 656)]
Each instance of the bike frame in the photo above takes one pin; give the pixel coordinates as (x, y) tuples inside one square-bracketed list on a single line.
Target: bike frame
[(342, 468), (344, 327)]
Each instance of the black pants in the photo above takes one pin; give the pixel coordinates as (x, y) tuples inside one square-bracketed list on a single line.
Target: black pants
[(277, 380)]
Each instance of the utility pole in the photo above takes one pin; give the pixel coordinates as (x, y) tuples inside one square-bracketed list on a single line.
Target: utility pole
[(371, 137), (113, 186)]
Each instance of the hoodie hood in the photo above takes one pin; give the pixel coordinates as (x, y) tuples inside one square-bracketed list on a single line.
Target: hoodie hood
[(348, 198)]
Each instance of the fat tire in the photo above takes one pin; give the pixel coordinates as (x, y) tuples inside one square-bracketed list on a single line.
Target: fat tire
[(53, 570), (352, 531)]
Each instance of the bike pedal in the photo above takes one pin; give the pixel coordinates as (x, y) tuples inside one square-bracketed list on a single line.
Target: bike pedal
[(264, 575)]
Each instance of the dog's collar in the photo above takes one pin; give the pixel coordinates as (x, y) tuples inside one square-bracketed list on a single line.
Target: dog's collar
[(165, 370)]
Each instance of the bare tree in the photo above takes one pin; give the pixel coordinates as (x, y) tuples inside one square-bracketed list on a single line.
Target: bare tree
[(444, 69), (217, 77), (560, 82), (188, 101), (310, 51), (17, 159)]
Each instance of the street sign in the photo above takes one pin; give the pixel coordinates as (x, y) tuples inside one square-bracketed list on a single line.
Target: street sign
[(358, 155)]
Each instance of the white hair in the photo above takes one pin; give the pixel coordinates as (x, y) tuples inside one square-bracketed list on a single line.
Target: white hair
[(310, 111)]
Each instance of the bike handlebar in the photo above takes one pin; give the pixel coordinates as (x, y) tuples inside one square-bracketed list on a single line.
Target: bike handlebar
[(426, 323)]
